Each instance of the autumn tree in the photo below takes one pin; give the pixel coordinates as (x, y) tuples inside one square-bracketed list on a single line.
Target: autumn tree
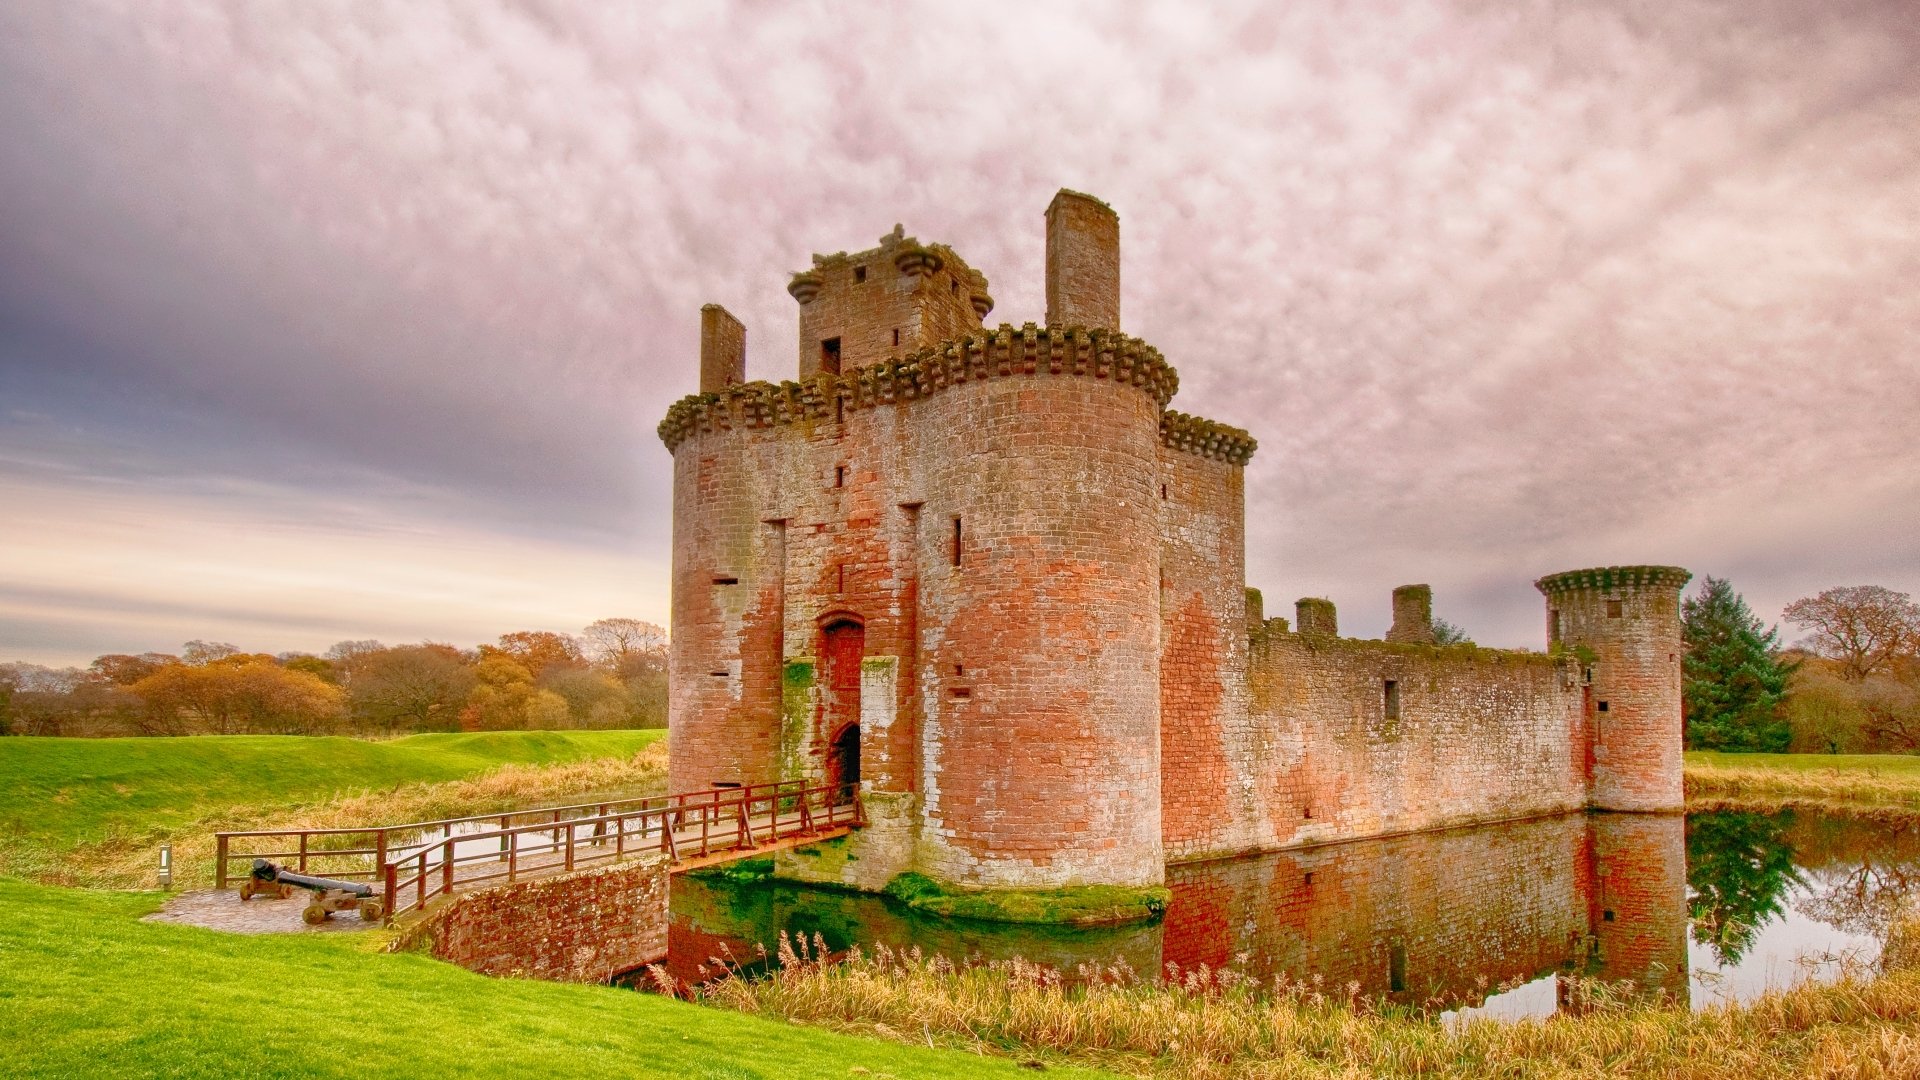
[(1864, 627), (1733, 679), (537, 650), (237, 693), (412, 687), (121, 669)]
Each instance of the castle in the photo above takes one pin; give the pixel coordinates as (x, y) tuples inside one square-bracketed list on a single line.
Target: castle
[(988, 576)]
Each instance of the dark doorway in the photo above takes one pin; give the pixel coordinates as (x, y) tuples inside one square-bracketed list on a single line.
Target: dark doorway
[(843, 763), (842, 645)]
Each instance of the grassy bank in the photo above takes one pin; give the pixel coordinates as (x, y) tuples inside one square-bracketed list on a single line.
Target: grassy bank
[(87, 990), (1875, 784), (94, 811), (1082, 905), (1217, 1026)]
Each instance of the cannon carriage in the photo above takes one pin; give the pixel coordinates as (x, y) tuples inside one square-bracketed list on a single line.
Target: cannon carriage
[(328, 894)]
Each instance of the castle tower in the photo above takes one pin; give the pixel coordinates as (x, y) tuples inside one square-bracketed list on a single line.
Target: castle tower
[(1083, 262), (860, 309), (1626, 620)]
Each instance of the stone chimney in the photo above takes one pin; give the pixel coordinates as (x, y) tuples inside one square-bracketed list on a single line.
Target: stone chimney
[(723, 349), (1083, 262), (1412, 615)]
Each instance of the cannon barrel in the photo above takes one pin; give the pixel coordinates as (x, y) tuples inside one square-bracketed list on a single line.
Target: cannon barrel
[(266, 871)]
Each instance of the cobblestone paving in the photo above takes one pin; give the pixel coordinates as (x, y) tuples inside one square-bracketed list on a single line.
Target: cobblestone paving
[(223, 910)]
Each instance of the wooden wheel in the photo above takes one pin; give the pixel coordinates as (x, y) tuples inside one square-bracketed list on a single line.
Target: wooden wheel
[(315, 914)]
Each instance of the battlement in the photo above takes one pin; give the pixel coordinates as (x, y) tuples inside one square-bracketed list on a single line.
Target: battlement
[(1207, 438), (1008, 351), (856, 309), (1614, 577)]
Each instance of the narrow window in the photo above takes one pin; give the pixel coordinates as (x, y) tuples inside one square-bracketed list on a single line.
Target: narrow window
[(1607, 915), (1308, 880), (839, 410), (830, 356), (1163, 491), (718, 580), (718, 674), (896, 335), (840, 578), (963, 691), (959, 669), (839, 476), (1397, 968), (1392, 699), (956, 541), (859, 274), (1602, 706), (1553, 624), (1614, 609), (956, 287), (1307, 812)]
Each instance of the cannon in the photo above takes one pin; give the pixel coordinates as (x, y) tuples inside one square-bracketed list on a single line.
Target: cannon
[(329, 895)]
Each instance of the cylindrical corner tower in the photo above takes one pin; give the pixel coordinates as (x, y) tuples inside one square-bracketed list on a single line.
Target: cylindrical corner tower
[(1039, 618), (1625, 623)]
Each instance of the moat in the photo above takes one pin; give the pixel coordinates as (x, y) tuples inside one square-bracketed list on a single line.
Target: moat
[(1714, 906)]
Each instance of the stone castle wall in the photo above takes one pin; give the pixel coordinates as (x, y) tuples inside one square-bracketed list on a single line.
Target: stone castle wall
[(1461, 735)]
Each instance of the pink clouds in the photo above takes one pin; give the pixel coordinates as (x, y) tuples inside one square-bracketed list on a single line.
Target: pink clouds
[(1502, 289)]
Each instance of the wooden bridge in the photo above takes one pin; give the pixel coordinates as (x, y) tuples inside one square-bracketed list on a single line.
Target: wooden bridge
[(413, 865)]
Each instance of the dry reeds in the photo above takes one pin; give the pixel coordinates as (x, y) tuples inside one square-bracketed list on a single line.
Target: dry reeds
[(1221, 1024)]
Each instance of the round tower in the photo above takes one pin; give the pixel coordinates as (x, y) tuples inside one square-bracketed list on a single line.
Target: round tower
[(1039, 619), (1624, 623)]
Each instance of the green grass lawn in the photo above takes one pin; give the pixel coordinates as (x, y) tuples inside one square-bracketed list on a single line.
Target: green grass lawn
[(62, 792), (1863, 783), (87, 990)]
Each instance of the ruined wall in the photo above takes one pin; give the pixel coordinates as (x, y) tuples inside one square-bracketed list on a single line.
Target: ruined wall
[(1209, 782), (586, 926), (723, 349), (1480, 735), (1083, 262)]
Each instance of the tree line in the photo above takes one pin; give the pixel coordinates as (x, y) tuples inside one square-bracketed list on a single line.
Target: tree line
[(613, 674), (1850, 685)]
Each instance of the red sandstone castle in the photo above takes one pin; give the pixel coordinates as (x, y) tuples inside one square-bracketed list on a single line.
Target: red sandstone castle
[(988, 576)]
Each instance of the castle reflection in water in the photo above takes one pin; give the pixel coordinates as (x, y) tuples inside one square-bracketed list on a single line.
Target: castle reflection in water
[(1440, 919)]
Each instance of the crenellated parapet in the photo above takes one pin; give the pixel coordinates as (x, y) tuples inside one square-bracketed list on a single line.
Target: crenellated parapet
[(1614, 577), (1206, 438), (1008, 351)]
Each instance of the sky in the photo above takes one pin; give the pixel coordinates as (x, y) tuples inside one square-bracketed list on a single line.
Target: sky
[(325, 321)]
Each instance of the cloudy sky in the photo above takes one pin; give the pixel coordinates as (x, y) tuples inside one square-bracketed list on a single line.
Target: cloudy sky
[(344, 320)]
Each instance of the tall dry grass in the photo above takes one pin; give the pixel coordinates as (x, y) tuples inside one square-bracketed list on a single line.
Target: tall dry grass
[(127, 860), (1216, 1025), (1874, 792)]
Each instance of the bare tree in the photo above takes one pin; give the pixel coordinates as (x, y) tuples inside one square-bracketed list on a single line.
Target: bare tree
[(1864, 627), (627, 646)]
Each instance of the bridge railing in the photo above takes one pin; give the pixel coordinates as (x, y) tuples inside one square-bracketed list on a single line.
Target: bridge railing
[(362, 853), (696, 825)]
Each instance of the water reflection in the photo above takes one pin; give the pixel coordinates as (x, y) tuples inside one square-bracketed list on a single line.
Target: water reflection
[(1508, 920)]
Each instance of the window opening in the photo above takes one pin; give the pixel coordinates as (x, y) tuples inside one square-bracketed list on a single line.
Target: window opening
[(1602, 706), (896, 335), (1615, 609), (956, 541), (1392, 699), (839, 476), (1397, 968), (1553, 625), (718, 580), (830, 356), (963, 691), (859, 274), (840, 578)]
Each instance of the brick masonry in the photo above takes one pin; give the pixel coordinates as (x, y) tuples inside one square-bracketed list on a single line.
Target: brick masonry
[(587, 926), (1040, 570)]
